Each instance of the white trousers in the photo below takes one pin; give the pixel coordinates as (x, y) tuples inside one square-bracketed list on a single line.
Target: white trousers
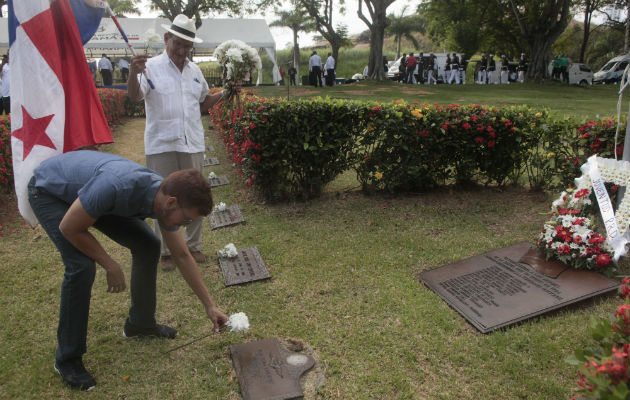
[(454, 76), (504, 77), (521, 76), (489, 80), (431, 77), (482, 76)]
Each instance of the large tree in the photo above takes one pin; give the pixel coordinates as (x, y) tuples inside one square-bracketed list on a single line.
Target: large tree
[(298, 20), (123, 7), (321, 11), (588, 7), (539, 23), (404, 26), (377, 23), (198, 8)]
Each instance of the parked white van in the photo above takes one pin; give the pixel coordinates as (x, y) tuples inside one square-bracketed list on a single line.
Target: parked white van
[(612, 71), (579, 74)]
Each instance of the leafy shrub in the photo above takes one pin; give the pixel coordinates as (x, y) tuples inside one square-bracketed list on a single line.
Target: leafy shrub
[(133, 108), (113, 101), (604, 369)]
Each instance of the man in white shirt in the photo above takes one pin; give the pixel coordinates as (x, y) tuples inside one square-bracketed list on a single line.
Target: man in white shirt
[(330, 70), (175, 95), (315, 68), (5, 86), (123, 65), (106, 68)]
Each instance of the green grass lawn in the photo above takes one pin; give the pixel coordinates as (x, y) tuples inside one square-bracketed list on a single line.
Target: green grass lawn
[(344, 285), (563, 100)]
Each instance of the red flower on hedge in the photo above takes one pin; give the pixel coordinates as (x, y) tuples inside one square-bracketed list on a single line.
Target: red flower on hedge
[(491, 143), (479, 140), (446, 125), (466, 125)]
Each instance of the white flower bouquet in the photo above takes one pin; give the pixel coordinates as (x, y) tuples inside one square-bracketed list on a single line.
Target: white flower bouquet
[(238, 61), (212, 175), (220, 207), (238, 322), (229, 251)]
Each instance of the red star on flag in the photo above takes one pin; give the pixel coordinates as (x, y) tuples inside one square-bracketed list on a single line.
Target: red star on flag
[(32, 132)]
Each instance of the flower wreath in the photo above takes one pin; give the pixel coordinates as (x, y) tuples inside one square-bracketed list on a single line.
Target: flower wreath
[(570, 234)]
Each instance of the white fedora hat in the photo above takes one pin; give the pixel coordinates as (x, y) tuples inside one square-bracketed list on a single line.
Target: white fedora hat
[(183, 27)]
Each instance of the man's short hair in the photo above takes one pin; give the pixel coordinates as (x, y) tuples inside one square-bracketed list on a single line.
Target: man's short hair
[(191, 189)]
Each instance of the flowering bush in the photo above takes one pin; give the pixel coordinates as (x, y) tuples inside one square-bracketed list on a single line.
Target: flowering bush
[(6, 162), (604, 369), (570, 235), (113, 101)]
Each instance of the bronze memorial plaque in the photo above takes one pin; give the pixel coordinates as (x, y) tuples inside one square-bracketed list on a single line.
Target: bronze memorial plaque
[(210, 161), (248, 266), (509, 285), (218, 181), (231, 216), (210, 149), (267, 371)]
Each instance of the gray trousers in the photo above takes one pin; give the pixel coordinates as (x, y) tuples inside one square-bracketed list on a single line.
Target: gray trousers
[(164, 164)]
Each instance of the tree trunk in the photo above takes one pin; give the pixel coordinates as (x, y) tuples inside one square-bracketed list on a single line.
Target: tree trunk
[(588, 13), (296, 55), (540, 58), (378, 14)]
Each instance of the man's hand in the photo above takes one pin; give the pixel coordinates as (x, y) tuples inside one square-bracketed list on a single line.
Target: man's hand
[(138, 64), (217, 317), (115, 279)]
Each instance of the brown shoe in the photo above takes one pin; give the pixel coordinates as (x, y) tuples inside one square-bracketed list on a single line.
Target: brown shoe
[(167, 263), (198, 256)]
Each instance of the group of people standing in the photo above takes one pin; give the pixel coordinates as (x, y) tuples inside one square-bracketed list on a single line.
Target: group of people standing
[(319, 75), (487, 67), (425, 69), (106, 69)]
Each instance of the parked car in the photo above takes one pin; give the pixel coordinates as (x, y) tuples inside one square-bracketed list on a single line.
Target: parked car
[(612, 71), (579, 74)]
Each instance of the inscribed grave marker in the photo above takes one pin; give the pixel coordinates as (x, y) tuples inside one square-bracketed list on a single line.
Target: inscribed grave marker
[(230, 216), (498, 288), (210, 161), (267, 371), (218, 181), (248, 266)]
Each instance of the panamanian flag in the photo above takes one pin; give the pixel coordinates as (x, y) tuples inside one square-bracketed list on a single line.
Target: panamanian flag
[(54, 104)]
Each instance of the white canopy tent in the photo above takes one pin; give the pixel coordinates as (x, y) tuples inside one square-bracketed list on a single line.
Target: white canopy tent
[(107, 39)]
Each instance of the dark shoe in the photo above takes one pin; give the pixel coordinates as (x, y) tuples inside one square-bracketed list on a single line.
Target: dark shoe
[(198, 256), (161, 331), (74, 374), (167, 263)]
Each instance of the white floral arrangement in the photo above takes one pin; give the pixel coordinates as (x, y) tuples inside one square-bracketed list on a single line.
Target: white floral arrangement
[(220, 207), (238, 322), (570, 235), (238, 59), (212, 175), (152, 40), (229, 251)]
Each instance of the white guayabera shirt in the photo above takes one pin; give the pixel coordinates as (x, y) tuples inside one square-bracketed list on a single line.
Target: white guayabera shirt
[(172, 108)]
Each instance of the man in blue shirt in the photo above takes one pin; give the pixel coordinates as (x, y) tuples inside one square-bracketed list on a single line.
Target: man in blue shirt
[(74, 191)]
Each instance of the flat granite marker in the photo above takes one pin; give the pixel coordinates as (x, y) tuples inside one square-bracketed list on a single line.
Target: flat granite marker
[(509, 285), (210, 161), (248, 266), (267, 371), (219, 180), (230, 216)]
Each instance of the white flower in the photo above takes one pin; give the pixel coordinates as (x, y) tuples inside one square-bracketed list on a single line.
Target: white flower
[(234, 54), (212, 175), (238, 322), (220, 207), (229, 251)]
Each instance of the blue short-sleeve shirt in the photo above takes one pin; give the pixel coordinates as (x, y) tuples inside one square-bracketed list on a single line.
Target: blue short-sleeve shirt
[(106, 184)]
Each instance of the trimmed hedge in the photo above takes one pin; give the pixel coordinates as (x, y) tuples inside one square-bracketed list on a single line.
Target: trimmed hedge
[(291, 149), (6, 162)]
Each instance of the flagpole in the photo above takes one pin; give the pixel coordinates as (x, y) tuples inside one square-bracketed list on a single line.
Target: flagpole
[(122, 32)]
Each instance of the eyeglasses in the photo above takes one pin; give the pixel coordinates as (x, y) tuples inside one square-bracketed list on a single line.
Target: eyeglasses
[(187, 220)]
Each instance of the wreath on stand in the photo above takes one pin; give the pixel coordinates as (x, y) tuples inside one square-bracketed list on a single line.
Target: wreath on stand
[(571, 234)]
